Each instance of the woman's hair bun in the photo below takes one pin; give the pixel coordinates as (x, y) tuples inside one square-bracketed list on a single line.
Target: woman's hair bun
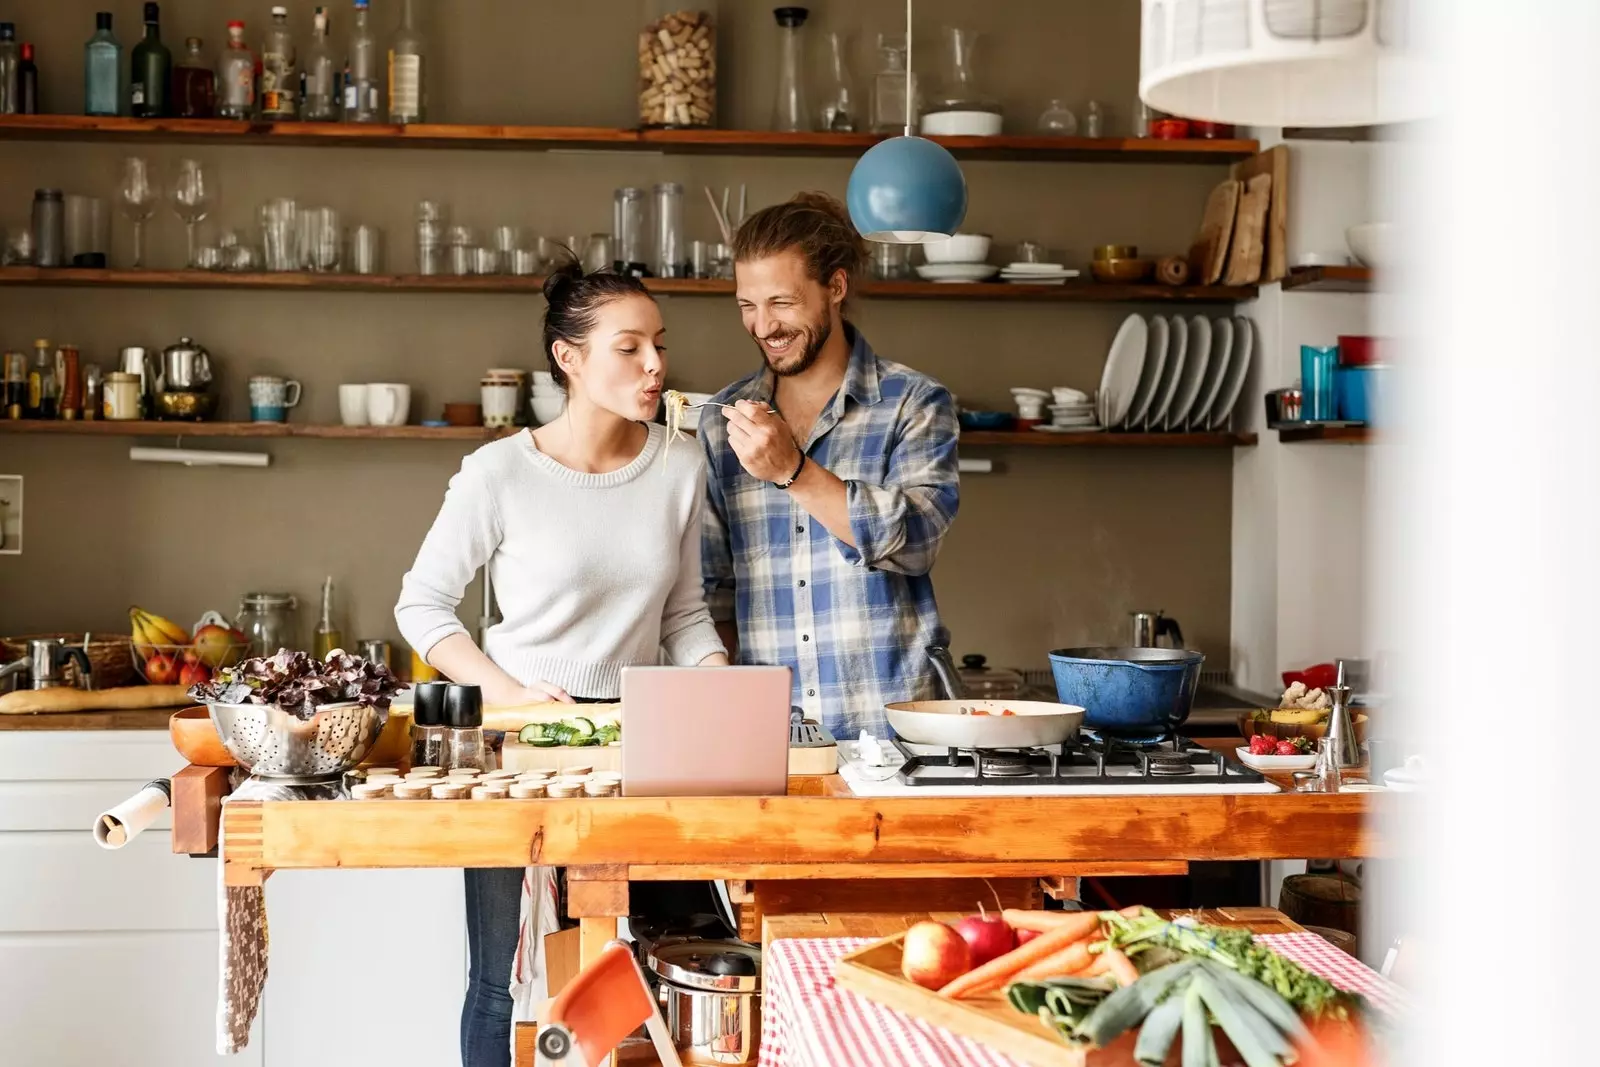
[(561, 278)]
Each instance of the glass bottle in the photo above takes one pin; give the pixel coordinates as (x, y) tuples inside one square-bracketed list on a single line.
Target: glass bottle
[(150, 73), (27, 83), (1057, 120), (841, 110), (49, 228), (427, 724), (102, 65), (791, 113), (889, 87), (194, 83), (463, 739), (327, 636), (408, 77), (279, 82), (322, 100), (236, 76), (41, 383), (1094, 119), (671, 251), (627, 228), (960, 106), (10, 64), (363, 82), (267, 622)]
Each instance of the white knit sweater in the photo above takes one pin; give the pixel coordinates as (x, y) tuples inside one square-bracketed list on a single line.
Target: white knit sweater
[(593, 572)]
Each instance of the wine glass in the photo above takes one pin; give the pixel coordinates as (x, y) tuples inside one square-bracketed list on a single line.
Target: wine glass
[(137, 196), (193, 190)]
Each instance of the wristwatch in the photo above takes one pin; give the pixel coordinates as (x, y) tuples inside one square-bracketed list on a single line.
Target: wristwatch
[(796, 475)]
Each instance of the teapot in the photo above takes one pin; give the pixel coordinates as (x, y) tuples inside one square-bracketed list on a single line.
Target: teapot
[(185, 368)]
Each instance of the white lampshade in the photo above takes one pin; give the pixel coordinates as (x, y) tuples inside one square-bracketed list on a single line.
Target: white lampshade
[(1283, 62)]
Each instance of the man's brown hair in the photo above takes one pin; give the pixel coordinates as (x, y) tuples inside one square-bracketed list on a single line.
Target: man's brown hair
[(813, 224)]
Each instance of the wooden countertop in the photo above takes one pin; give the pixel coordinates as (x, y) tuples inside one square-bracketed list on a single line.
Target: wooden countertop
[(125, 719)]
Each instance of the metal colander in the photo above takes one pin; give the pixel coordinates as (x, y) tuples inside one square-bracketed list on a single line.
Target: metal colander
[(273, 743)]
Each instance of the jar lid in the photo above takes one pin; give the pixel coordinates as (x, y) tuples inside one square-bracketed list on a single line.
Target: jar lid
[(47, 194), (790, 17), (722, 966), (427, 707), (268, 600), (463, 707)]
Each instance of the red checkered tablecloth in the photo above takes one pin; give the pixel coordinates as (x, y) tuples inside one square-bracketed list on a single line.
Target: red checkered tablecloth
[(807, 1022)]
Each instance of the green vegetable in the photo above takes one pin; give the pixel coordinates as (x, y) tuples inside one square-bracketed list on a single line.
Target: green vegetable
[(1199, 1047), (1127, 1007), (583, 728), (1159, 1029), (531, 734)]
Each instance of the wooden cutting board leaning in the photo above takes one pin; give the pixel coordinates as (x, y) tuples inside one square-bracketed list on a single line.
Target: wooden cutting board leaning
[(1209, 252), (1244, 256)]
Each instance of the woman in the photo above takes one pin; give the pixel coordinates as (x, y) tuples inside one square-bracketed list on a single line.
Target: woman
[(592, 541)]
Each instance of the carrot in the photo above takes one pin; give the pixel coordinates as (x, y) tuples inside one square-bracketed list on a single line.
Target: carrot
[(1120, 966), (1095, 969), (1069, 960), (1044, 920), (994, 974)]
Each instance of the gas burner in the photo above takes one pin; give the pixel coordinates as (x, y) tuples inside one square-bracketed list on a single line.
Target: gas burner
[(1002, 763), (1169, 764)]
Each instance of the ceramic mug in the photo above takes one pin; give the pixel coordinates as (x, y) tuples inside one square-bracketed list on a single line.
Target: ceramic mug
[(388, 403), (353, 405), (271, 398), (499, 402)]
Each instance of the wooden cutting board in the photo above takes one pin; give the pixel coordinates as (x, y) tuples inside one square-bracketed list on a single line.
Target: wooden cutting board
[(515, 756), (1209, 252), (1244, 257), (1274, 161)]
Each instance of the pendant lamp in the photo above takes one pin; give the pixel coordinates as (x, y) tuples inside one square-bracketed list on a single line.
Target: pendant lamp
[(1283, 62), (908, 189)]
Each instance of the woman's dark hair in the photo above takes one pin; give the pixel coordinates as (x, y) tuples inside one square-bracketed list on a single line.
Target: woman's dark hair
[(573, 301)]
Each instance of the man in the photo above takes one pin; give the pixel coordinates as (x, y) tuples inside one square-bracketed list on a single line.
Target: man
[(832, 482)]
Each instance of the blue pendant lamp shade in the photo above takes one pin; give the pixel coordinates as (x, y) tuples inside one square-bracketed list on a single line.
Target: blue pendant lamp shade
[(907, 190)]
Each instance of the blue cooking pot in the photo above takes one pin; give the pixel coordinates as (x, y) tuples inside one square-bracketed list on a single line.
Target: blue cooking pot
[(1141, 694)]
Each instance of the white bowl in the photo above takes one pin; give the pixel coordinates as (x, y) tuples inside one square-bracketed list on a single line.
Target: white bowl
[(1025, 390), (962, 124), (1067, 395), (961, 248), (547, 408), (1373, 243)]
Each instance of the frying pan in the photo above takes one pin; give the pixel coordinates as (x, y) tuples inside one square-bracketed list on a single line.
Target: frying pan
[(965, 723)]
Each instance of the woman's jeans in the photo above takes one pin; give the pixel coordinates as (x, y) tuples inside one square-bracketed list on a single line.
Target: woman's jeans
[(494, 898)]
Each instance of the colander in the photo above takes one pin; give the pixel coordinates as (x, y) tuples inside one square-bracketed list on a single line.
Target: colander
[(273, 743)]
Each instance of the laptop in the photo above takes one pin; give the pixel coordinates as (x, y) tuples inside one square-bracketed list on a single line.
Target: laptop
[(705, 731)]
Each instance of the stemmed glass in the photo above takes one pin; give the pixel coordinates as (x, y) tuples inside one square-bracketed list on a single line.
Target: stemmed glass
[(137, 196), (193, 191)]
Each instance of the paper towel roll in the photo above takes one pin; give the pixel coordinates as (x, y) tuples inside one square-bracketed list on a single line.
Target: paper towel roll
[(126, 821)]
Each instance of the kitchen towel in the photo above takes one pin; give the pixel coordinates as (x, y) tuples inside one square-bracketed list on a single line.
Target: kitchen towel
[(126, 821), (539, 916)]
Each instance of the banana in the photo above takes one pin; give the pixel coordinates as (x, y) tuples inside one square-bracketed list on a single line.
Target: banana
[(156, 629), (1298, 716)]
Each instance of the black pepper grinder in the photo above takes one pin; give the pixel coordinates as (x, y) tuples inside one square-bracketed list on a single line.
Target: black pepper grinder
[(463, 716), (427, 724)]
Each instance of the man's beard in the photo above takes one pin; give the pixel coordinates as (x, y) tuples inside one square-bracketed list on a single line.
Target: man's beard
[(814, 339)]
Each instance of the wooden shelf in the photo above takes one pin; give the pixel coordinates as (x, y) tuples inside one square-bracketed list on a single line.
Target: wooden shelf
[(1331, 279), (1350, 435), (1103, 439), (100, 428), (301, 281), (544, 138)]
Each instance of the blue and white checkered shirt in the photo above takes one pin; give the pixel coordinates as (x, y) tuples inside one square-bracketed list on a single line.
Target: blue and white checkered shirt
[(853, 625)]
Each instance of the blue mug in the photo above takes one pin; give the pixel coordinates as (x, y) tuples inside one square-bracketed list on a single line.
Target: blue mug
[(1318, 401), (268, 413), (271, 398)]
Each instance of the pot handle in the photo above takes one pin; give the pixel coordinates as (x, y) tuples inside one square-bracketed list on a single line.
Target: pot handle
[(81, 658), (945, 668)]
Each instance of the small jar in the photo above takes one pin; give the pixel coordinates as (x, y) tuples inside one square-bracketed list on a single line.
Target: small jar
[(678, 64), (527, 791), (451, 790), (427, 725), (489, 791), (419, 790), (500, 775), (121, 399), (464, 743), (49, 228), (369, 791), (562, 789)]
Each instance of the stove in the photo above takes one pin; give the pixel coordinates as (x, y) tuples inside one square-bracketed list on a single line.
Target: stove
[(1089, 764)]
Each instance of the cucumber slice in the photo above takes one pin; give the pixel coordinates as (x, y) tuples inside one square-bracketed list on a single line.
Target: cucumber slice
[(581, 726), (541, 742), (531, 733)]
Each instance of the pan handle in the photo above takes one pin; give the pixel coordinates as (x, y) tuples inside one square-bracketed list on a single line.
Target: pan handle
[(945, 668)]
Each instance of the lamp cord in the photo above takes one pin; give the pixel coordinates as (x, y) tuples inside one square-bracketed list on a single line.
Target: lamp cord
[(908, 68)]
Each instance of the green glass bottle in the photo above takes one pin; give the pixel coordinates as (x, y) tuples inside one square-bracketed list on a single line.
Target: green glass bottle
[(150, 75)]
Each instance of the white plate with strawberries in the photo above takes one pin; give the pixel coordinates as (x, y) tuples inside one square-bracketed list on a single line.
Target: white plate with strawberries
[(1275, 763)]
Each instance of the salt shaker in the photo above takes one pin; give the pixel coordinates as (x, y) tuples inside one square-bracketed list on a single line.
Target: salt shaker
[(1328, 775), (427, 724), (463, 743)]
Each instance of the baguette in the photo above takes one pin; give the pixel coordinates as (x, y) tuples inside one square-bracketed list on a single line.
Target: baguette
[(66, 699)]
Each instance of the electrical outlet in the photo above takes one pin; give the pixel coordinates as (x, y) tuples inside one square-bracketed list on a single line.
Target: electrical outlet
[(10, 514)]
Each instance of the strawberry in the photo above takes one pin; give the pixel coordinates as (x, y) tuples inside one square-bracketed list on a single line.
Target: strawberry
[(1262, 745), (1287, 748)]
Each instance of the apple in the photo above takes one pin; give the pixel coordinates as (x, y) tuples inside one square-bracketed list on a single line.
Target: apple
[(986, 936), (193, 673), (934, 955), (1024, 936), (160, 669)]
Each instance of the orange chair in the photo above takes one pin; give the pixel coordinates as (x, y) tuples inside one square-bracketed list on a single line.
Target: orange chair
[(602, 1005)]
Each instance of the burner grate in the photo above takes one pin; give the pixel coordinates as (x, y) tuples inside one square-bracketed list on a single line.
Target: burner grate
[(1088, 760)]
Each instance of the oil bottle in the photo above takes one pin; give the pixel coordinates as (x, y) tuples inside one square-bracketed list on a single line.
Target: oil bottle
[(328, 636)]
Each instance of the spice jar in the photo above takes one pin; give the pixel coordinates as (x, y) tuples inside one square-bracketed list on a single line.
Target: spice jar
[(413, 790), (427, 724), (463, 715), (678, 65)]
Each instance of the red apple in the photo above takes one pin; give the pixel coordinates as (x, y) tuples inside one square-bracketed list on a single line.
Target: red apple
[(161, 669), (986, 936), (934, 955), (1024, 936), (193, 673)]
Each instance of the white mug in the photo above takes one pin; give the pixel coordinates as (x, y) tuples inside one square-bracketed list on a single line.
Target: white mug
[(499, 402), (388, 403), (353, 405)]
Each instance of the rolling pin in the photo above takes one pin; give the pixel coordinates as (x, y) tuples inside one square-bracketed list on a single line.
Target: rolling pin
[(514, 717), (68, 699)]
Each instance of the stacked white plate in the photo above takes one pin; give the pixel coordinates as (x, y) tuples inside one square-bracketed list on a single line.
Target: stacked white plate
[(1037, 273), (1182, 373), (1073, 411), (957, 272)]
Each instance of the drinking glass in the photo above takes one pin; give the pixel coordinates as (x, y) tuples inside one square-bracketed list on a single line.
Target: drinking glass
[(137, 198), (597, 253), (320, 239), (280, 234), (193, 192)]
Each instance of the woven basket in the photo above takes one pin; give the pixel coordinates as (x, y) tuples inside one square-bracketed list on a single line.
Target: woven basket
[(110, 657)]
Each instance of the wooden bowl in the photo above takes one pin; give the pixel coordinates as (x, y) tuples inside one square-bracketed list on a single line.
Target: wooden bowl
[(1122, 271), (1103, 252), (195, 738), (1249, 727)]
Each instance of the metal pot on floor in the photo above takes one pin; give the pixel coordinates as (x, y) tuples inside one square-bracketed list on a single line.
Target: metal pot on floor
[(710, 994)]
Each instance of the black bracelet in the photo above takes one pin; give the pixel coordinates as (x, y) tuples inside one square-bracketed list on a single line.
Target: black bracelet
[(796, 475)]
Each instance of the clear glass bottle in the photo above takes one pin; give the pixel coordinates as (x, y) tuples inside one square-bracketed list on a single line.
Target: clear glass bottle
[(671, 250), (321, 103), (841, 109), (102, 69), (427, 724), (267, 621), (236, 76), (41, 383), (1057, 120), (327, 636), (889, 86), (1094, 119), (10, 70), (408, 75), (628, 222), (363, 96), (791, 113), (280, 82), (194, 83), (150, 71), (960, 106), (463, 719)]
